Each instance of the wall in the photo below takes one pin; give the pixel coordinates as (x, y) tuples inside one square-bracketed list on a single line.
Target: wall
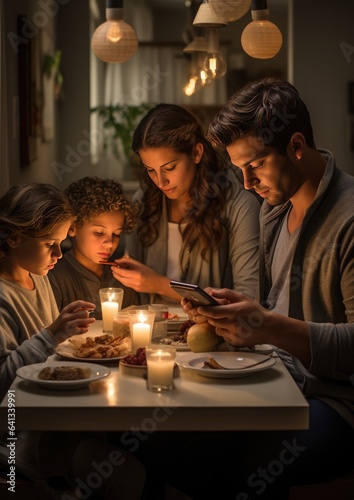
[(321, 71), (38, 170), (66, 156), (318, 68), (73, 149)]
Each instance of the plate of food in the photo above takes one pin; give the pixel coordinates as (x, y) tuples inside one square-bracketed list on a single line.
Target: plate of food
[(134, 363), (99, 349), (63, 375), (258, 348), (178, 338), (175, 320), (220, 364)]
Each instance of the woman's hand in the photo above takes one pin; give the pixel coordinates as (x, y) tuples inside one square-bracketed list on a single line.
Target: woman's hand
[(141, 278), (73, 320)]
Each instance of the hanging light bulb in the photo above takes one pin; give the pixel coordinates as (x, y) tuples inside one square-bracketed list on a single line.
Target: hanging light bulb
[(190, 87), (214, 63), (261, 38), (192, 84), (114, 41), (203, 77), (230, 10), (198, 49)]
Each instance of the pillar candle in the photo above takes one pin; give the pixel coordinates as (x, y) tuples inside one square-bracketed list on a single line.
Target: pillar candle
[(140, 335), (109, 309), (160, 370)]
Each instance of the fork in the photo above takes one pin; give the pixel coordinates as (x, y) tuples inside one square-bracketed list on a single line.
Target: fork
[(213, 364)]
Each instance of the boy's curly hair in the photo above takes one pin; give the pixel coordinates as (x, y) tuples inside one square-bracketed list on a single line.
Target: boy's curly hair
[(92, 196)]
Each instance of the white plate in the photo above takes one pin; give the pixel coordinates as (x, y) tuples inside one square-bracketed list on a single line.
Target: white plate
[(195, 362), (266, 349), (179, 347), (66, 351), (174, 324), (30, 373)]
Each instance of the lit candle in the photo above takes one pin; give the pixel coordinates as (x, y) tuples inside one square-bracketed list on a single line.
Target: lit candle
[(109, 309), (140, 335), (160, 370)]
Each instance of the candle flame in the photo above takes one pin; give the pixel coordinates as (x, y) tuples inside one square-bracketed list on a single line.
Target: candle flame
[(142, 318)]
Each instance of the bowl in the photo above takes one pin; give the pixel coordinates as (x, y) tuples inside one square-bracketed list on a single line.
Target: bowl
[(135, 370)]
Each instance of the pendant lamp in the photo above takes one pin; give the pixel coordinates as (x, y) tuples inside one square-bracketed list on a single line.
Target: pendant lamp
[(114, 41), (230, 10), (261, 38), (207, 18), (214, 63)]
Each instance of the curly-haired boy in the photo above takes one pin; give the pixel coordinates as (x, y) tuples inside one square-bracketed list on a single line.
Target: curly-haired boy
[(102, 214)]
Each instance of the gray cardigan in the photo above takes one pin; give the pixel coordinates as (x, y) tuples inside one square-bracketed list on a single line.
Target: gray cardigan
[(322, 286), (233, 265)]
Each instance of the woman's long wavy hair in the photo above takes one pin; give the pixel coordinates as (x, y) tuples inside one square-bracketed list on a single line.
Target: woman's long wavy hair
[(171, 126), (33, 210)]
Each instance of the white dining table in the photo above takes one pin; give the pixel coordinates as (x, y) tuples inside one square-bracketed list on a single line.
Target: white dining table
[(264, 400)]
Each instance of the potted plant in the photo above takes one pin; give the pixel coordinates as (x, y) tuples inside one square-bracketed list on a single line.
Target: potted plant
[(120, 121)]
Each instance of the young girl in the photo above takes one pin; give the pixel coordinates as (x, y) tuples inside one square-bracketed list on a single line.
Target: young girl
[(198, 223), (34, 220), (102, 215)]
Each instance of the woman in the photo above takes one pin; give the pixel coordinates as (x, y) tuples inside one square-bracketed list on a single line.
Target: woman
[(197, 224)]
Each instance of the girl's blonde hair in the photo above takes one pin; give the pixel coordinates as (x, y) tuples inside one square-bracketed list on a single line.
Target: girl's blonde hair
[(34, 210)]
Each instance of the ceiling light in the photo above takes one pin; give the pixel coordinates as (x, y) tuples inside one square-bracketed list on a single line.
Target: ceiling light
[(261, 38), (207, 18), (199, 44), (114, 41), (214, 63), (230, 10)]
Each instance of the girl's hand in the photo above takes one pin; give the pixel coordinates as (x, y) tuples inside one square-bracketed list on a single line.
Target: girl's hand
[(73, 320)]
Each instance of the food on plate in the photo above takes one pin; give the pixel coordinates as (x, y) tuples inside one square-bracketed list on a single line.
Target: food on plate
[(201, 337), (178, 338), (121, 326), (173, 316), (101, 347), (64, 373), (213, 364), (139, 358)]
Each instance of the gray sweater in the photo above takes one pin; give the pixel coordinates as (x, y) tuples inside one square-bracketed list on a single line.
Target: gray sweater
[(321, 286), (72, 281), (24, 314)]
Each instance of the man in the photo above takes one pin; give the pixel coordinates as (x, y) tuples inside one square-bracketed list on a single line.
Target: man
[(306, 287)]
